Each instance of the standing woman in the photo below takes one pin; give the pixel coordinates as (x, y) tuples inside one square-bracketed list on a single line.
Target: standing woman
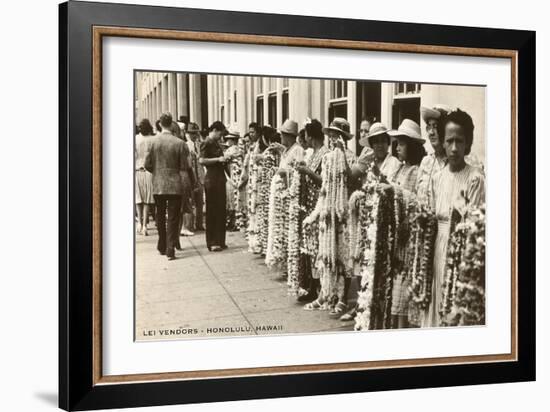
[(144, 179), (434, 162), (409, 149), (457, 187), (249, 185), (214, 187), (308, 278)]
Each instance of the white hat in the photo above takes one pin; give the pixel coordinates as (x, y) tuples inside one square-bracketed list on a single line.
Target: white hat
[(289, 127), (408, 128), (435, 112), (375, 130)]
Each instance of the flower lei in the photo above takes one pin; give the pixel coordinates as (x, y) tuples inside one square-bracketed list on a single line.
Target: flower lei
[(296, 215), (234, 155), (252, 191), (330, 214), (272, 157), (363, 211), (463, 300), (378, 246), (420, 259), (277, 240)]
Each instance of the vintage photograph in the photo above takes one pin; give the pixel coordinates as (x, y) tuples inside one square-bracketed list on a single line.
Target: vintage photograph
[(279, 205)]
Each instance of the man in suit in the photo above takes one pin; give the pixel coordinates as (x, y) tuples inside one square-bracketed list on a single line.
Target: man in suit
[(168, 161)]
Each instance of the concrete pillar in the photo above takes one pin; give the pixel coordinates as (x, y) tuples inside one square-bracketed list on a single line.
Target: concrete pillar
[(210, 96), (181, 95), (279, 89), (172, 95), (324, 102), (232, 103), (242, 109), (386, 102), (352, 112), (265, 88), (164, 94), (195, 99)]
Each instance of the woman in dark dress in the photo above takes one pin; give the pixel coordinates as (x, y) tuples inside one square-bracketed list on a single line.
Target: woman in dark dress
[(214, 187)]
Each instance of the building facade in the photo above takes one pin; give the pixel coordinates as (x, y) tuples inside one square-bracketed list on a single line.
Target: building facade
[(239, 100)]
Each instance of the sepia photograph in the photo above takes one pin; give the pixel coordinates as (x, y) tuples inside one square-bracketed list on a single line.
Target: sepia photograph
[(290, 205)]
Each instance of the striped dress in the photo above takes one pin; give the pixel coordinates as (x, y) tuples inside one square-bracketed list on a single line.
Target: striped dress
[(404, 177), (447, 190)]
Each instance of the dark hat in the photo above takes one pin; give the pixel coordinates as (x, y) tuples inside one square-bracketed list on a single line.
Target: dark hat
[(340, 125)]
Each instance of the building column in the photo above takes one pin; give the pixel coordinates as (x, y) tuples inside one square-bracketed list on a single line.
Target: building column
[(181, 95), (172, 98), (211, 92), (279, 88), (164, 94), (352, 112), (195, 99), (265, 89), (232, 102), (241, 104), (157, 103), (386, 103)]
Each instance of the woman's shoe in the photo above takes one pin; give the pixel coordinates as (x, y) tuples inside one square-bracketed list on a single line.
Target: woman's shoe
[(338, 310), (216, 249), (315, 305), (349, 315), (308, 297)]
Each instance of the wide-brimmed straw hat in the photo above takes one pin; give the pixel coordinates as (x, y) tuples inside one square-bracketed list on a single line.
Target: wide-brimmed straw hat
[(408, 128), (289, 127), (435, 112), (375, 130), (339, 125)]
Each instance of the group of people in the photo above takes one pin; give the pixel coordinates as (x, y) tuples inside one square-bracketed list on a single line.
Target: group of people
[(289, 190)]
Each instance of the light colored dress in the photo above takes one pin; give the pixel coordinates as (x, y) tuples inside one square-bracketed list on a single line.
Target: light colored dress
[(447, 188), (429, 167), (144, 179)]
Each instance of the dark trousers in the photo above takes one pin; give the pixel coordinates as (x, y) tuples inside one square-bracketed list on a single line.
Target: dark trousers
[(168, 228), (214, 190), (198, 197)]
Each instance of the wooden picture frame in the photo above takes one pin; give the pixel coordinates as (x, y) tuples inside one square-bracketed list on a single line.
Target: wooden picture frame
[(82, 385)]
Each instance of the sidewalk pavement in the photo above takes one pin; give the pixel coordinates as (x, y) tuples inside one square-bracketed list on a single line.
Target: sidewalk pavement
[(214, 294)]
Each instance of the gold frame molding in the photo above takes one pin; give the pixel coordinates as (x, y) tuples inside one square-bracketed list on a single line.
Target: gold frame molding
[(102, 31)]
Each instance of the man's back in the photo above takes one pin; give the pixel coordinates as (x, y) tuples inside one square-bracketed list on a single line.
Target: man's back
[(166, 160)]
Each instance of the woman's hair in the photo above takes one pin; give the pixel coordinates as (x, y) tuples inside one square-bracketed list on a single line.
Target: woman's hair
[(464, 120), (217, 125), (370, 119), (271, 135), (145, 128), (315, 130), (256, 127), (415, 151)]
